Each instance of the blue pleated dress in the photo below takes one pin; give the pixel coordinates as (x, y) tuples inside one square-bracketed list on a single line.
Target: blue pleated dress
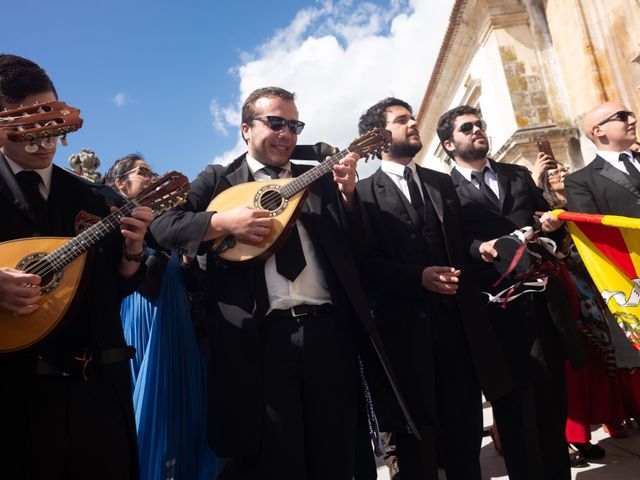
[(169, 383)]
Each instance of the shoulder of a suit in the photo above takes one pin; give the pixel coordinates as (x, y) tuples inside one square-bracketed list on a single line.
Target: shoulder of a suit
[(514, 167), (597, 163), (430, 171), (63, 174)]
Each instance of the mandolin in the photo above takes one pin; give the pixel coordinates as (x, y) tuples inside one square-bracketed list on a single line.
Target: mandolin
[(61, 262), (42, 120), (283, 198)]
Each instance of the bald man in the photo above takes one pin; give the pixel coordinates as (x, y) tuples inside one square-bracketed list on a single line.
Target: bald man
[(611, 183)]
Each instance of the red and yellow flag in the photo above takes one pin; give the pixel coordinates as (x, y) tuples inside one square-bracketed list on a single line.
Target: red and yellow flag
[(610, 248)]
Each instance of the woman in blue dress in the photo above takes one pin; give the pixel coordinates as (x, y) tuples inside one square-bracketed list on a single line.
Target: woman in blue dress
[(168, 371)]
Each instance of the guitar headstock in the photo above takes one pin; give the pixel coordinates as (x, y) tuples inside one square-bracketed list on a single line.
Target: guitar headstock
[(372, 143), (167, 192), (43, 120)]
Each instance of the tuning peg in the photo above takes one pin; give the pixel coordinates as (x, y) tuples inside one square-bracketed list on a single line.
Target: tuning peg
[(63, 140), (31, 147), (48, 144)]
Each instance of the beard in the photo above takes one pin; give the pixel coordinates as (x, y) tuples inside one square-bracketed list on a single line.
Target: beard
[(404, 149), (471, 152)]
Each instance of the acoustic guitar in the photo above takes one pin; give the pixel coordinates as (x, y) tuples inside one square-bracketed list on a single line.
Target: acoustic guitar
[(61, 262), (42, 120), (283, 198)]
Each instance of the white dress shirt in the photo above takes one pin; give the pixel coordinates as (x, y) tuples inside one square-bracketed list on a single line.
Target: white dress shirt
[(614, 159), (310, 287), (490, 177), (395, 171)]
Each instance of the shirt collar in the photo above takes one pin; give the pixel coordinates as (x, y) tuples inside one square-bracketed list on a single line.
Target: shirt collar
[(613, 157), (254, 165), (45, 173), (393, 168), (466, 171)]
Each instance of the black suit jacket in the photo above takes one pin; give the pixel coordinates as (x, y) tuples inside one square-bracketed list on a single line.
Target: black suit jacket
[(601, 188), (520, 199), (392, 266), (236, 296), (96, 321)]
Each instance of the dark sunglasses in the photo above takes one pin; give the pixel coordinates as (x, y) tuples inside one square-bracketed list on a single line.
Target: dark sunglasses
[(276, 123), (467, 127), (141, 171), (622, 115)]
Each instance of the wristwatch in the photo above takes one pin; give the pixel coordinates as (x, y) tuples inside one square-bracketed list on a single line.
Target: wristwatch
[(134, 258)]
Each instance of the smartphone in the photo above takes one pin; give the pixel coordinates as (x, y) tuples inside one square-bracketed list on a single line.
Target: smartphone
[(545, 147)]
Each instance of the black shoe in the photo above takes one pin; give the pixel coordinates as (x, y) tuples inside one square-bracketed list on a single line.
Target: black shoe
[(590, 451), (576, 460)]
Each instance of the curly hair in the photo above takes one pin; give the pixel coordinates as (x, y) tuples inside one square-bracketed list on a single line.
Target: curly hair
[(446, 121), (376, 116)]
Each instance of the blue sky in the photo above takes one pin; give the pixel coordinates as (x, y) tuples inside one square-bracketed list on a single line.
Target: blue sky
[(167, 78)]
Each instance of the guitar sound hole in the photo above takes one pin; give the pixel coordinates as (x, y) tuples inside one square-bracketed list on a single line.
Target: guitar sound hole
[(50, 278), (271, 200)]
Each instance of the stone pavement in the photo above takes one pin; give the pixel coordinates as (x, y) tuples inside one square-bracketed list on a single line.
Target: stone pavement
[(622, 461)]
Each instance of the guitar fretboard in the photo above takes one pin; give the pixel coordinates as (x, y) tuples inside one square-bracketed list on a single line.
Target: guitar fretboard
[(87, 239), (310, 176)]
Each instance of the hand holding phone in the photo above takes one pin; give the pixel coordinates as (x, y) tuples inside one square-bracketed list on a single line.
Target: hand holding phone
[(545, 147)]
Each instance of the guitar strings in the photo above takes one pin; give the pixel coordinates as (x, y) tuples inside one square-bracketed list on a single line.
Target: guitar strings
[(272, 199), (49, 264)]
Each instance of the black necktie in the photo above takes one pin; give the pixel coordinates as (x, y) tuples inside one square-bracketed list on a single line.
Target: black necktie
[(29, 182), (484, 188), (289, 257), (414, 191), (631, 169)]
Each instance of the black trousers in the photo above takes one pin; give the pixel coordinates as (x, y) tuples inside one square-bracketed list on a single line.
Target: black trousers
[(56, 427), (531, 420), (455, 442), (459, 400), (309, 392)]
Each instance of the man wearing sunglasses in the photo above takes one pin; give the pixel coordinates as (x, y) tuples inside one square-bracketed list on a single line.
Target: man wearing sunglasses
[(427, 308), (534, 330), (610, 184), (284, 374)]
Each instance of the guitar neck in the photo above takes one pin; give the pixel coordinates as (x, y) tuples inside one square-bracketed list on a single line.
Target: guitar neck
[(87, 239), (310, 176)]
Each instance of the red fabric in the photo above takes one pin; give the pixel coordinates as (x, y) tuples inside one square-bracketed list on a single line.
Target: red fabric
[(630, 387), (611, 244), (593, 398)]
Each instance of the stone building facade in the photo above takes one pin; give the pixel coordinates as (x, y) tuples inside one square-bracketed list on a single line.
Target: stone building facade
[(533, 67)]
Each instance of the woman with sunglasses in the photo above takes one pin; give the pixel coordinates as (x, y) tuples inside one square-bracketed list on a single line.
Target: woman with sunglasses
[(168, 372)]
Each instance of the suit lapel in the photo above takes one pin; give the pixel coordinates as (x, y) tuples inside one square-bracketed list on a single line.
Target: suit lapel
[(610, 172), (504, 182), (11, 190), (471, 192), (430, 187), (313, 202), (238, 172), (394, 201)]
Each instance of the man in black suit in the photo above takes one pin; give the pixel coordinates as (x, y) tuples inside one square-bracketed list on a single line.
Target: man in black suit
[(65, 403), (429, 312), (284, 377), (610, 184), (535, 331)]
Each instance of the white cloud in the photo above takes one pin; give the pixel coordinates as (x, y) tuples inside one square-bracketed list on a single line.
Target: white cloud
[(120, 99), (223, 117), (340, 58)]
